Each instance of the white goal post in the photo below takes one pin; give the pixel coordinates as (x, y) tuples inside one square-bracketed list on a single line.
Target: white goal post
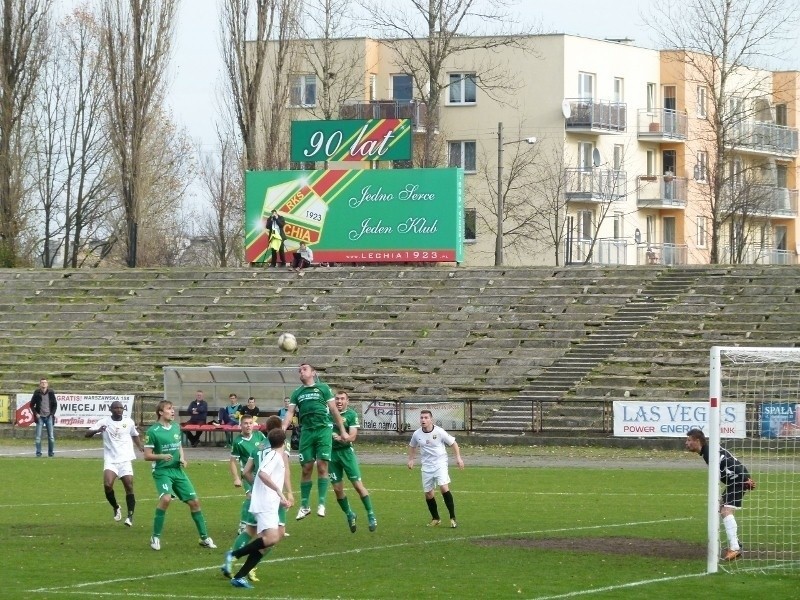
[(767, 380)]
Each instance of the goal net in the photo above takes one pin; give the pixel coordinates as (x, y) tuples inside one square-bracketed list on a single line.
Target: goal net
[(766, 382)]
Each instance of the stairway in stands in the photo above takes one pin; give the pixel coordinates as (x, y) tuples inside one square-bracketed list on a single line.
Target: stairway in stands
[(538, 404)]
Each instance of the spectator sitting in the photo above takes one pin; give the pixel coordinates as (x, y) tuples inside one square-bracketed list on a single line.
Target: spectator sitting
[(229, 415), (303, 257), (250, 408), (198, 413)]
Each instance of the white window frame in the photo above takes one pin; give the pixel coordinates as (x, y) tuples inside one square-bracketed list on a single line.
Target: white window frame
[(619, 225), (300, 83), (651, 163), (585, 158), (585, 225), (651, 97), (373, 87), (650, 230), (619, 89), (701, 232), (702, 99), (459, 83), (585, 86), (702, 166), (462, 149), (619, 157)]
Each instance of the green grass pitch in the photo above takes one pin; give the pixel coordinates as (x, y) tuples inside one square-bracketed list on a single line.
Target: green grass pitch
[(58, 539)]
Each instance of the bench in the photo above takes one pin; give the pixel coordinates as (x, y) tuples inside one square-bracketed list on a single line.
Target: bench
[(211, 431)]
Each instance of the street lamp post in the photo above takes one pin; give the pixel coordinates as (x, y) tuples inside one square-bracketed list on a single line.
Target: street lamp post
[(498, 243)]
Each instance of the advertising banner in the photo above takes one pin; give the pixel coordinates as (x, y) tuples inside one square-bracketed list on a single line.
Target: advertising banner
[(351, 140), (359, 215), (779, 419), (674, 419), (384, 416), (74, 410)]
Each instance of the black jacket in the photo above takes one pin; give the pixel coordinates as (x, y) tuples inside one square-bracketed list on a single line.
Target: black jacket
[(38, 397), (280, 221)]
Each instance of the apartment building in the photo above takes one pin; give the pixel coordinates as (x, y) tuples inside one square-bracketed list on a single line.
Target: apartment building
[(600, 151)]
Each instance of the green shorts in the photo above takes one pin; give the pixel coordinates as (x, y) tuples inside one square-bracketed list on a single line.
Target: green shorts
[(174, 482), (344, 461), (315, 444), (246, 516)]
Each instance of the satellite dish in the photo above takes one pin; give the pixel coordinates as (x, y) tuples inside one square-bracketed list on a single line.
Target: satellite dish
[(566, 109), (596, 157)]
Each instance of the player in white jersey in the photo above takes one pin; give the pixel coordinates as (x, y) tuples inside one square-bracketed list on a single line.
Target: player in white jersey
[(433, 442), (119, 436), (265, 500)]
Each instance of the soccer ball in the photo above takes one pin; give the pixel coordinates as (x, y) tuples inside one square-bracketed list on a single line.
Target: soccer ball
[(287, 342)]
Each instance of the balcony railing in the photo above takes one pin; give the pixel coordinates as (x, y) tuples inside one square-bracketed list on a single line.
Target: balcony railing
[(760, 200), (662, 124), (661, 191), (752, 255), (596, 185), (607, 251), (764, 138), (597, 116), (661, 254), (388, 109)]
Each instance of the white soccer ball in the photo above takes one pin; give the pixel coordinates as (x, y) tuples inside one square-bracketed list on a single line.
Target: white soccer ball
[(287, 342)]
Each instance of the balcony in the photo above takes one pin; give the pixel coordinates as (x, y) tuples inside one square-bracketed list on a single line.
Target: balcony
[(661, 191), (596, 185), (661, 254), (388, 109), (764, 138), (607, 251), (662, 125), (752, 255), (596, 116), (760, 200)]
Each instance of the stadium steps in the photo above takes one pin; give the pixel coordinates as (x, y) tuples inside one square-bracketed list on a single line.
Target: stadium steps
[(537, 406)]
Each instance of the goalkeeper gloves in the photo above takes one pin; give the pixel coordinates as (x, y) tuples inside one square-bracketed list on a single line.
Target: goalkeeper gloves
[(749, 484)]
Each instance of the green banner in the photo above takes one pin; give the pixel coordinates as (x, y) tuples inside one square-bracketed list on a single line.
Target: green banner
[(359, 215), (351, 140)]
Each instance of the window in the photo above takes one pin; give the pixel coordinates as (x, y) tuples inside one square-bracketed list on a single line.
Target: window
[(403, 164), (701, 101), (586, 86), (619, 155), (303, 90), (585, 159), (303, 166), (462, 154), (670, 101), (619, 230), (462, 88), (781, 115), (651, 163), (619, 89), (373, 87), (701, 168), (701, 232), (470, 224), (651, 230), (585, 220), (651, 97), (402, 87)]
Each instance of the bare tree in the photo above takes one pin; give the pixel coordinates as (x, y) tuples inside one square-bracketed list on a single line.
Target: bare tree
[(423, 35), (137, 38), (250, 61), (338, 66), (23, 38), (223, 226), (720, 44)]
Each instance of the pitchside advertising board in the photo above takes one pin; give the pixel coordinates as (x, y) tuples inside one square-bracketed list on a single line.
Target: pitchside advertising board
[(779, 419), (393, 416), (74, 410), (675, 419), (359, 215)]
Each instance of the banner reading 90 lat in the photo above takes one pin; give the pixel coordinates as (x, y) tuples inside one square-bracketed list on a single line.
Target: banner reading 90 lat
[(359, 215)]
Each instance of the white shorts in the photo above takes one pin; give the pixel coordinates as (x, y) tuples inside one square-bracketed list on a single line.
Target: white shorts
[(432, 479), (266, 520), (122, 469)]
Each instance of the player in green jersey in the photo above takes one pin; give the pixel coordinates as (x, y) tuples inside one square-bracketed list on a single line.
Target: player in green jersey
[(344, 462), (244, 446), (314, 403), (162, 447)]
